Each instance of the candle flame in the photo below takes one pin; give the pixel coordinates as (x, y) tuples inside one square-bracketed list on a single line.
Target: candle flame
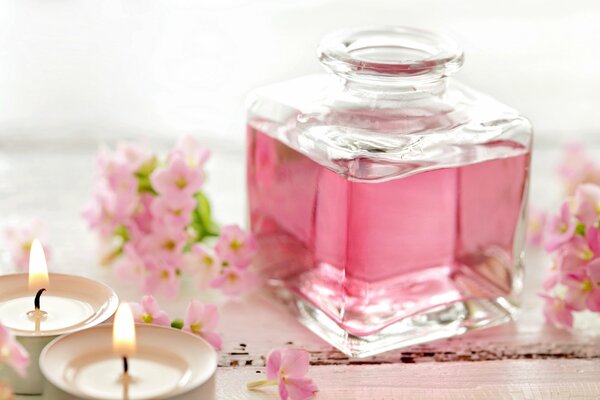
[(124, 331), (38, 270)]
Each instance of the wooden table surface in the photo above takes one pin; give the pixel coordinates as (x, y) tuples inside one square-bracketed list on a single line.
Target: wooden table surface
[(522, 360)]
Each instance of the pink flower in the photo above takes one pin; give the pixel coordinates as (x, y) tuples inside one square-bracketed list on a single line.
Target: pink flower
[(109, 209), (582, 293), (98, 215), (585, 248), (593, 269), (142, 218), (133, 155), (202, 319), (165, 243), (174, 210), (535, 228), (6, 392), (202, 263), (289, 368), (234, 281), (236, 246), (592, 236), (587, 204), (177, 178), (569, 260), (148, 261), (577, 168), (132, 266), (123, 183), (561, 228), (118, 192), (12, 353), (163, 276), (18, 241), (194, 155), (127, 155), (149, 312), (557, 311)]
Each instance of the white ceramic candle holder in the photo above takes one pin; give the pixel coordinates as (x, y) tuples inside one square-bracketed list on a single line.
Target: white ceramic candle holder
[(71, 303), (168, 364)]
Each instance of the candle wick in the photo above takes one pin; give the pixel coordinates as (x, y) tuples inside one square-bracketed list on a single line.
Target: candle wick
[(36, 302), (125, 378)]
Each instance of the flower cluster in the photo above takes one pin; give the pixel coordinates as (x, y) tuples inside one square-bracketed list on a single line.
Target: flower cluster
[(18, 239), (13, 355), (152, 218), (573, 238), (200, 319), (287, 369)]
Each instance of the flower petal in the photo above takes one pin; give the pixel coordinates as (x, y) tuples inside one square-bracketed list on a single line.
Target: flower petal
[(300, 388), (210, 317), (214, 339), (150, 305), (162, 319), (294, 362), (137, 310), (283, 393), (594, 271), (273, 364), (194, 313)]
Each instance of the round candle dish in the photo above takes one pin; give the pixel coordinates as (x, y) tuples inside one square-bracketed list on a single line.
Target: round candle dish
[(168, 364), (71, 303)]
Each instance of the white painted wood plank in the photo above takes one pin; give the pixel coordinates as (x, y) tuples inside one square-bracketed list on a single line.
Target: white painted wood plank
[(512, 379), (499, 380)]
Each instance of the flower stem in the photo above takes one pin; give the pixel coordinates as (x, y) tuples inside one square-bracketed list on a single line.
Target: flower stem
[(259, 384), (108, 259)]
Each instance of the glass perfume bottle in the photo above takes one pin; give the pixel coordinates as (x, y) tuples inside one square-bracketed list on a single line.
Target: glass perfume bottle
[(388, 200)]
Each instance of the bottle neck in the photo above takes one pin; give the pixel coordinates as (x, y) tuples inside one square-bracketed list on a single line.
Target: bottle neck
[(401, 89), (391, 62)]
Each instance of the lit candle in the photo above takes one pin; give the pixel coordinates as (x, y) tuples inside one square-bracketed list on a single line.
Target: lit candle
[(124, 331), (129, 362), (124, 341), (38, 281), (71, 303), (38, 269)]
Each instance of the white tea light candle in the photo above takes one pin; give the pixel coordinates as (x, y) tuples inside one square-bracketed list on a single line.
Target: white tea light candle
[(162, 363), (68, 304)]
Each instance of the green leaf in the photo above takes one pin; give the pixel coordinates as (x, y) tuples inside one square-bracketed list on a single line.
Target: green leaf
[(202, 222), (123, 233), (145, 186), (148, 167), (143, 175), (177, 324)]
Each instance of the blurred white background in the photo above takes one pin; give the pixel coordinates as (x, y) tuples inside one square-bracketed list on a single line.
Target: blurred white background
[(81, 71)]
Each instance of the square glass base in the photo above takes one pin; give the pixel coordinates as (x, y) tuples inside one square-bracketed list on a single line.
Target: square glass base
[(439, 323)]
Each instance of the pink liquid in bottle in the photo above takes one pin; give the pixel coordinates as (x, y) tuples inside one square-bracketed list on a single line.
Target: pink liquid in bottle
[(370, 254)]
